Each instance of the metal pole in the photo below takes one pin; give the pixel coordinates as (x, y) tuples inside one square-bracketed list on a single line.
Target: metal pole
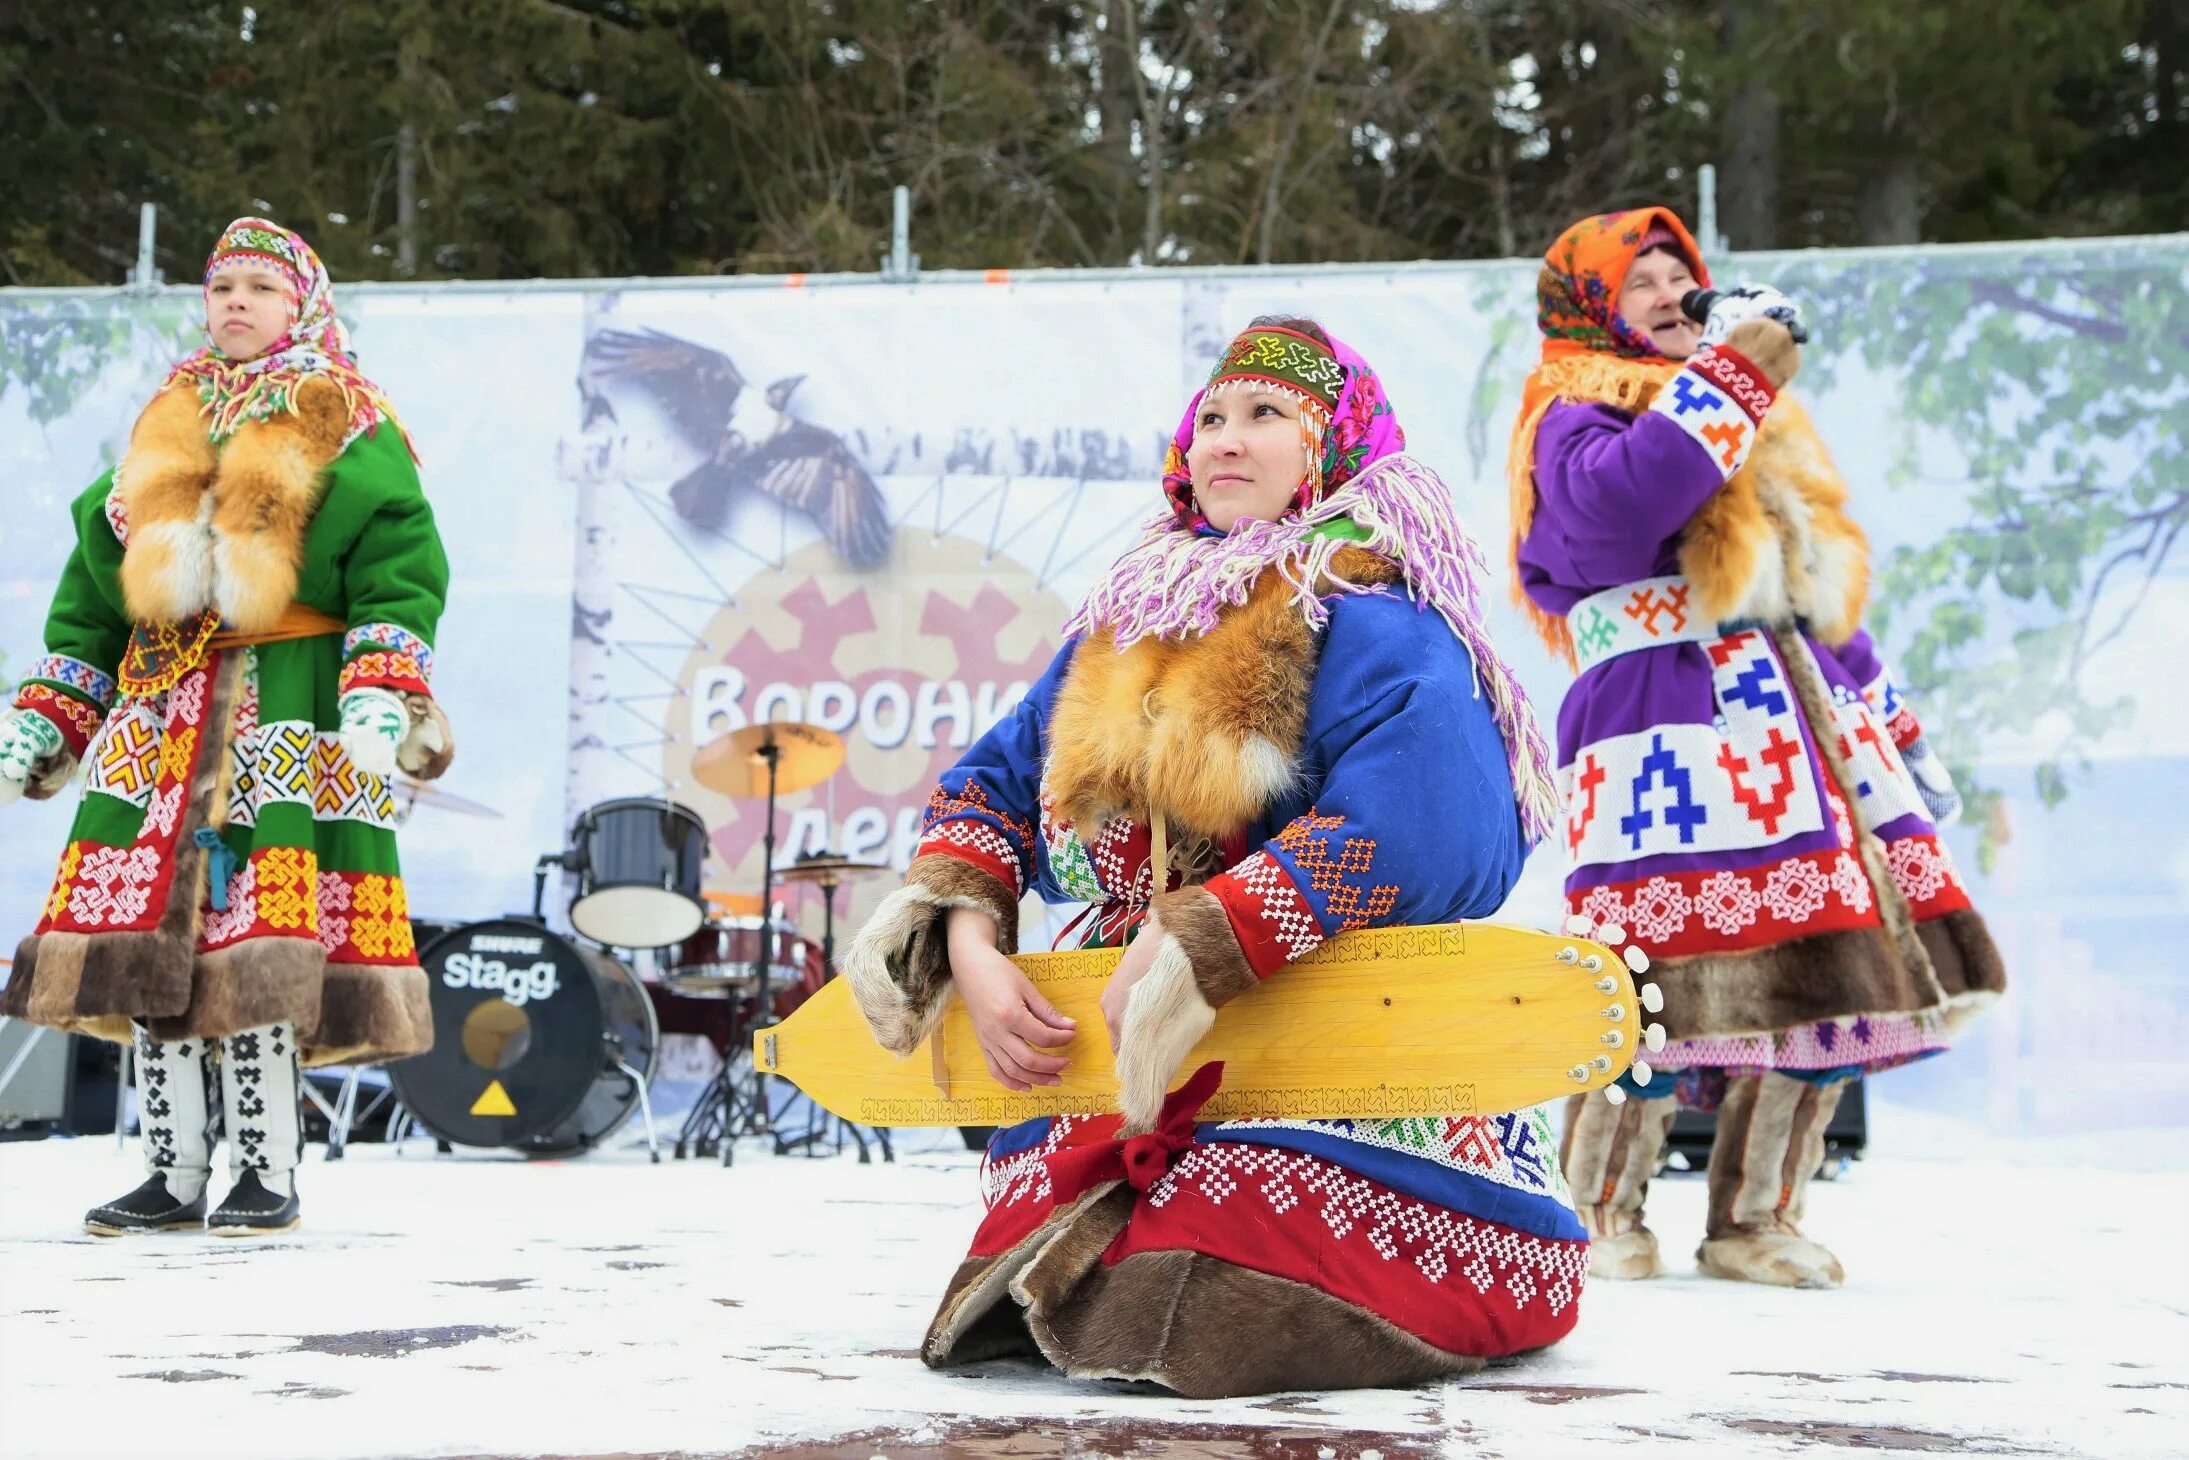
[(121, 1090), (22, 1051), (1706, 211), (146, 274), (903, 265)]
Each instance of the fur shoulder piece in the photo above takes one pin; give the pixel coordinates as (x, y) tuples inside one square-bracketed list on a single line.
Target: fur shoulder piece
[(222, 526), (1205, 731), (1776, 542)]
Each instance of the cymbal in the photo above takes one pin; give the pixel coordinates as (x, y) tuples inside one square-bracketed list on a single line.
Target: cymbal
[(423, 793), (827, 871), (732, 904), (733, 764)]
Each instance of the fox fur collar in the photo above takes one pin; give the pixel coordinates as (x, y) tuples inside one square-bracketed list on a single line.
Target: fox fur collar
[(1774, 543), (222, 526), (1204, 731)]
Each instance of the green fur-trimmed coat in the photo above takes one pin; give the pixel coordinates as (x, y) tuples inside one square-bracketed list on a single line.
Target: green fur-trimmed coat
[(229, 866)]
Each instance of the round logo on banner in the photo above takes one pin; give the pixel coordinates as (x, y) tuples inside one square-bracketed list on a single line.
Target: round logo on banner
[(909, 667)]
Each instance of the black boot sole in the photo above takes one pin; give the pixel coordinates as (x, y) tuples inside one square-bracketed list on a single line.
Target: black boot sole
[(175, 1224), (248, 1231)]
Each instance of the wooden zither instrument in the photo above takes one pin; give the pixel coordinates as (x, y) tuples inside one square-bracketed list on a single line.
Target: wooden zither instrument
[(1451, 1019)]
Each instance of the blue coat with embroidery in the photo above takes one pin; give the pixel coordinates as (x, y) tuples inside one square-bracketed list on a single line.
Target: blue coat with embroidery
[(1402, 813)]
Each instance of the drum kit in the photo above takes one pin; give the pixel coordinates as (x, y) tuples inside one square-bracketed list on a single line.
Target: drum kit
[(545, 1045)]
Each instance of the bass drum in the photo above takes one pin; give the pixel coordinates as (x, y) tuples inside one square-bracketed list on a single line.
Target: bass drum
[(540, 1045)]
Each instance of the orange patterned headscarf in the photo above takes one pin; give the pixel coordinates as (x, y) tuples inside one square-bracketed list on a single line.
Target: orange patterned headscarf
[(1589, 354)]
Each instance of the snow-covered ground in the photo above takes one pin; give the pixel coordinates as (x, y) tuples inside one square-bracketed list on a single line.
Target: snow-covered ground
[(2024, 1300)]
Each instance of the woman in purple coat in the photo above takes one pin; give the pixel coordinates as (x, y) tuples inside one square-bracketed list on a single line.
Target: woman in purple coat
[(1746, 793)]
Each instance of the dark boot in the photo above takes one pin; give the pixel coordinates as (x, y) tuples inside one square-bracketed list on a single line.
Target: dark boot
[(150, 1208), (259, 1086), (178, 1119), (250, 1209)]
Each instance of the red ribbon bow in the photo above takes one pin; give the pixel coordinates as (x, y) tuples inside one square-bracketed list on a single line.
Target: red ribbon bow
[(1141, 1160)]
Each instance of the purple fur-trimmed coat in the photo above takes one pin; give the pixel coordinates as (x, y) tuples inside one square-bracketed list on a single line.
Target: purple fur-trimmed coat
[(1703, 813)]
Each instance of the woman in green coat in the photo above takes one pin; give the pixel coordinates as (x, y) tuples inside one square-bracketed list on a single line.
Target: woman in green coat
[(237, 657)]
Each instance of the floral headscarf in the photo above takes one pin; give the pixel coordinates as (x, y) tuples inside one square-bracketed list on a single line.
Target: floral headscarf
[(315, 343), (1361, 488), (1346, 422), (1577, 294), (1589, 354)]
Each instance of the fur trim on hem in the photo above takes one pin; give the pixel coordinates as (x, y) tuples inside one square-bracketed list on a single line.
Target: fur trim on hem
[(983, 1305), (1772, 989), (1210, 1329), (256, 982), (1195, 1324), (1968, 964), (899, 965), (370, 1013), (87, 984)]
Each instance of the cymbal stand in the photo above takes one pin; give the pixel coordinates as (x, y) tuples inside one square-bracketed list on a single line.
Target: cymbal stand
[(730, 1106)]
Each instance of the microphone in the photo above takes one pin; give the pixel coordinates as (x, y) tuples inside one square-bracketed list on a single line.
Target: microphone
[(1696, 303)]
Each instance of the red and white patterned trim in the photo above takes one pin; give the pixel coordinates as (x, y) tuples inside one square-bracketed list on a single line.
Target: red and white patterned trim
[(117, 513), (1435, 1241), (1923, 870), (978, 843), (77, 719), (1458, 1281), (1269, 914), (111, 889), (87, 680), (1718, 398), (1674, 914), (392, 637), (384, 669), (280, 892)]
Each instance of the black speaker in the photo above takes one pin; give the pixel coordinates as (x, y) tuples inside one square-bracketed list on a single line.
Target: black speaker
[(1844, 1137)]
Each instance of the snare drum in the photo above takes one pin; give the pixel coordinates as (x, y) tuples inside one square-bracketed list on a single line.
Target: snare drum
[(638, 873), (722, 959)]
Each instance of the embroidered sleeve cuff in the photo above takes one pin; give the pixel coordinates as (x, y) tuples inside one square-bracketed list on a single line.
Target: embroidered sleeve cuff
[(404, 674), (76, 718), (1270, 917), (1900, 720), (386, 656), (978, 843), (85, 680), (963, 821), (1718, 398)]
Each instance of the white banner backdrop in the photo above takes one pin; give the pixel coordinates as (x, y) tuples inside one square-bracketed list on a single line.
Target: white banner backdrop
[(627, 481)]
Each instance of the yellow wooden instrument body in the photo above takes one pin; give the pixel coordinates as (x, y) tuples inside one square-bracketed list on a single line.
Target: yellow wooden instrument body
[(1452, 1019)]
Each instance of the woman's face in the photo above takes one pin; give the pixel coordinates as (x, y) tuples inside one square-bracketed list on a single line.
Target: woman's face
[(246, 309), (1650, 298), (1247, 459)]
